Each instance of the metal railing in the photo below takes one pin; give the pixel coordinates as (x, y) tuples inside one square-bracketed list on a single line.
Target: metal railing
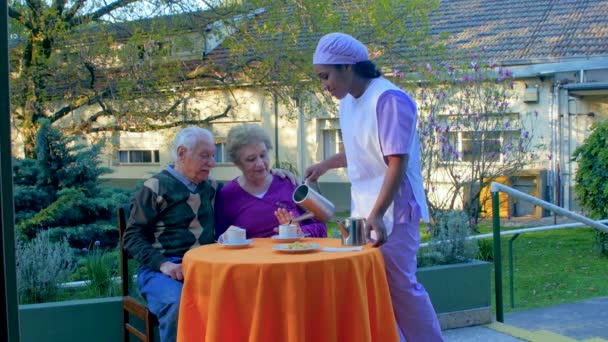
[(496, 233)]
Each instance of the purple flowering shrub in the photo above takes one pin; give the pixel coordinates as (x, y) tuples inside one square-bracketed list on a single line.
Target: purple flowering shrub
[(469, 133)]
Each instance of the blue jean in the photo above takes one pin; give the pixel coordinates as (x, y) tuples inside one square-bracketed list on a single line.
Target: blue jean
[(163, 295)]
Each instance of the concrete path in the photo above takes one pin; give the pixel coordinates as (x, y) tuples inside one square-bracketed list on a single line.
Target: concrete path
[(580, 320), (586, 320)]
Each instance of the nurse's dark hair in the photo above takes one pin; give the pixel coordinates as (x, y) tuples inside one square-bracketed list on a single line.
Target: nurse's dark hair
[(365, 69)]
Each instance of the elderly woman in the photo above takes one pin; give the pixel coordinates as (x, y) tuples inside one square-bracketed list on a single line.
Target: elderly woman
[(257, 201)]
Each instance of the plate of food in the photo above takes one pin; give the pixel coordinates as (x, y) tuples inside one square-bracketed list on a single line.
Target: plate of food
[(296, 247)]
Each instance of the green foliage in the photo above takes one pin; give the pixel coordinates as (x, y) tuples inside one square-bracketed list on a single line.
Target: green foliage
[(591, 178), (41, 265), (448, 244), (485, 250), (80, 236), (61, 188), (63, 58), (100, 269)]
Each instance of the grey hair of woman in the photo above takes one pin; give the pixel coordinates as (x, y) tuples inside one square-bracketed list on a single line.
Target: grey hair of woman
[(244, 135), (188, 137)]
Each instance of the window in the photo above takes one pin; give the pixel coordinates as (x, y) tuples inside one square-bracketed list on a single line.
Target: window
[(486, 137), (468, 145), (332, 142), (138, 156), (151, 49), (220, 153)]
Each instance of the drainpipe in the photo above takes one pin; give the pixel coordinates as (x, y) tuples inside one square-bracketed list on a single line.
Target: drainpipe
[(571, 114), (276, 130), (554, 144), (301, 137)]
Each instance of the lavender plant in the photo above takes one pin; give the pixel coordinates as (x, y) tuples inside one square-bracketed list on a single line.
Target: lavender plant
[(449, 243), (41, 266)]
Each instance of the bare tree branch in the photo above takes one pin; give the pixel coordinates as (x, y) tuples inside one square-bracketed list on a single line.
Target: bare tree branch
[(62, 112), (151, 127), (100, 12), (19, 16)]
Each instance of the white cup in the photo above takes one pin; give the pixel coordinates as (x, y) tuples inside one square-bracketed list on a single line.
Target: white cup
[(288, 231), (233, 235)]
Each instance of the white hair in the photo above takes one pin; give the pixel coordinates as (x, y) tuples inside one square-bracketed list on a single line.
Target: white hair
[(187, 137)]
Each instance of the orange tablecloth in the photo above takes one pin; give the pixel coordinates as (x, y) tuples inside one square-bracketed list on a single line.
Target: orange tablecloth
[(257, 294)]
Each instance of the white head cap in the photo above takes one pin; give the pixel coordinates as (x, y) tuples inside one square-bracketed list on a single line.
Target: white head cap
[(339, 48)]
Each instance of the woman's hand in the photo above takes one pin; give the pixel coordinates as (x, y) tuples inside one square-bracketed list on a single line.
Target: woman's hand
[(284, 216), (376, 224), (284, 173)]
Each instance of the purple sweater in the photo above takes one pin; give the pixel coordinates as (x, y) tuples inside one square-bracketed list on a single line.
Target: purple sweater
[(235, 206)]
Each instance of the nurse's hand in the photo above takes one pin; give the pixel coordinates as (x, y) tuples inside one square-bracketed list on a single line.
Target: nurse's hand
[(376, 224), (284, 173), (315, 171)]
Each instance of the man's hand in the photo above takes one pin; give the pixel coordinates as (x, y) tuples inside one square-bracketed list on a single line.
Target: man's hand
[(284, 173), (172, 270), (376, 224)]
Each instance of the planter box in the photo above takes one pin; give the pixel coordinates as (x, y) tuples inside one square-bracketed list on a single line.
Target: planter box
[(460, 293), (92, 320)]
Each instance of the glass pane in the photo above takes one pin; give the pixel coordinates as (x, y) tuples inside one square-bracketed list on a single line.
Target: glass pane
[(123, 156), (140, 156), (156, 156), (329, 143), (219, 153)]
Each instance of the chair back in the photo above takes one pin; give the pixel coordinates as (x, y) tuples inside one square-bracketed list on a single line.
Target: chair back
[(123, 212)]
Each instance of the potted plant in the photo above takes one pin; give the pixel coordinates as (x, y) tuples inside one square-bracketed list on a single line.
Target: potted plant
[(458, 285)]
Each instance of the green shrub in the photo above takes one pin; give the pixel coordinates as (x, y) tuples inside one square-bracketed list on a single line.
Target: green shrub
[(591, 178), (41, 265), (486, 250), (80, 236), (61, 187), (448, 244), (100, 269)]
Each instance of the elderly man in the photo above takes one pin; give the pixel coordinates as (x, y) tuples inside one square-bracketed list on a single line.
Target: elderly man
[(170, 214)]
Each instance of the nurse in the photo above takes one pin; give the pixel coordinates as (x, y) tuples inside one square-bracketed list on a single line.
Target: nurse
[(381, 156)]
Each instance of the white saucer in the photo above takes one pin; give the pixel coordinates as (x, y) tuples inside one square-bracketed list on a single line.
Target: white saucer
[(277, 238), (285, 248), (236, 245)]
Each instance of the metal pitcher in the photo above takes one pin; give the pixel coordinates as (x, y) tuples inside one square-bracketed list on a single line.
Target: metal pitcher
[(316, 205), (354, 230)]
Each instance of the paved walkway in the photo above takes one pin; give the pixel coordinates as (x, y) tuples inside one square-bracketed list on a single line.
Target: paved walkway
[(586, 320)]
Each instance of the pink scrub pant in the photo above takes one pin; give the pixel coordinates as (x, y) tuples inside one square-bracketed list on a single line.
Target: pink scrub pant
[(414, 312)]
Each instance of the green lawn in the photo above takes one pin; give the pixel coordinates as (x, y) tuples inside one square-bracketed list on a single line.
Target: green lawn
[(553, 267)]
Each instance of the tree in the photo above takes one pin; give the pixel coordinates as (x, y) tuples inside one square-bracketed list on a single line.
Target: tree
[(62, 62), (111, 66), (61, 189), (591, 186), (469, 133)]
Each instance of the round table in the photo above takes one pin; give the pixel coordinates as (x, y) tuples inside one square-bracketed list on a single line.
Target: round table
[(258, 294)]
